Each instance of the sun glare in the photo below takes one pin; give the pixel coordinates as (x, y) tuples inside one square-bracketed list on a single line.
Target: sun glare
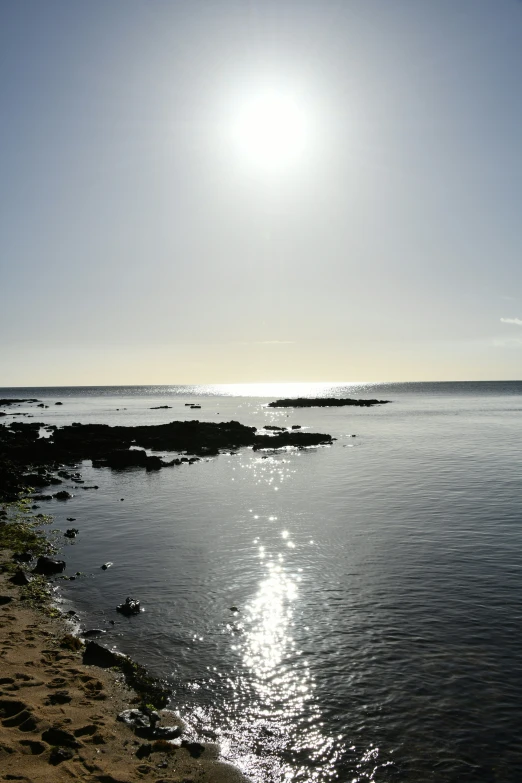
[(270, 130)]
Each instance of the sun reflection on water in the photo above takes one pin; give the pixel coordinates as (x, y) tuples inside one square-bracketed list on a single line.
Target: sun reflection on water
[(280, 731)]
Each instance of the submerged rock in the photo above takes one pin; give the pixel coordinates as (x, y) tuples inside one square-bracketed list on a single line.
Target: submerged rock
[(63, 495), (71, 532)]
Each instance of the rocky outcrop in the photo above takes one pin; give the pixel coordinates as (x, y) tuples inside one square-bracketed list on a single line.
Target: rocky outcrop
[(296, 439), (122, 447), (120, 459), (323, 402), (4, 402)]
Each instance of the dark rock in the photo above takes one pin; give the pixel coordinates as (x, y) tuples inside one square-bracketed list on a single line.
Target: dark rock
[(20, 578), (130, 607), (323, 402), (71, 532), (37, 480), (42, 497), (272, 427), (23, 557), (296, 426), (167, 732), (58, 403), (71, 519), (105, 566), (57, 736), (48, 567), (130, 458), (14, 401), (63, 495), (297, 439), (97, 655), (234, 609), (160, 407), (149, 689), (93, 632), (143, 751), (5, 599)]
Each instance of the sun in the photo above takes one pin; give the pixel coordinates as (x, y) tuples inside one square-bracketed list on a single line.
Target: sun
[(270, 130)]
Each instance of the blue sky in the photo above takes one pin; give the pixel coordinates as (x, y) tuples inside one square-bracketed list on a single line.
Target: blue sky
[(137, 245)]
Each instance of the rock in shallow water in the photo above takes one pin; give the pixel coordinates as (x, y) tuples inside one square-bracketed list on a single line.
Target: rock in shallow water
[(131, 606), (63, 495), (47, 567), (97, 655)]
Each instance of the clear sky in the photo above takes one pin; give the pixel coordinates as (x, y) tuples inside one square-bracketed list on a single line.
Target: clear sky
[(260, 190)]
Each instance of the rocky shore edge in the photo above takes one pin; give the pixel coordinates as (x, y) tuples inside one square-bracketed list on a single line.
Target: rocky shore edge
[(71, 708)]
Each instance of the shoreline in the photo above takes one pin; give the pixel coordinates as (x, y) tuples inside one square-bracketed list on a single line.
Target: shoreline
[(60, 699)]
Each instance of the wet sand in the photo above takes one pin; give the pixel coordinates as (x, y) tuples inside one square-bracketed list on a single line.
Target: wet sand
[(58, 717)]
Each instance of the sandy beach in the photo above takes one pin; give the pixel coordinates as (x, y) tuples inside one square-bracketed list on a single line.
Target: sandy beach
[(59, 717)]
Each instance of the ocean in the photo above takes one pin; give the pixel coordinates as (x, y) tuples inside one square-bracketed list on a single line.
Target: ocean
[(350, 612)]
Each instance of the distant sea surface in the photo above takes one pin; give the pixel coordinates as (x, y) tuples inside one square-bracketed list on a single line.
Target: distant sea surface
[(377, 582)]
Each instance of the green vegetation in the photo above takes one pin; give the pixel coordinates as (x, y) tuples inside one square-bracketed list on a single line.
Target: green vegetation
[(20, 530), (21, 533)]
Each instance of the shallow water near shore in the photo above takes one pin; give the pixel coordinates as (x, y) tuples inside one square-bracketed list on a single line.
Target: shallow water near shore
[(377, 581)]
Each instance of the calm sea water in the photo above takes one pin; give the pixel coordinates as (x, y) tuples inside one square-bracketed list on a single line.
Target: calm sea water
[(378, 581)]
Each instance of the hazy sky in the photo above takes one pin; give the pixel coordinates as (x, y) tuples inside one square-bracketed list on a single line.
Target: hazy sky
[(142, 240)]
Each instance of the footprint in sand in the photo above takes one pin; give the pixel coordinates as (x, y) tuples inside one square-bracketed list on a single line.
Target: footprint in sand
[(14, 713)]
